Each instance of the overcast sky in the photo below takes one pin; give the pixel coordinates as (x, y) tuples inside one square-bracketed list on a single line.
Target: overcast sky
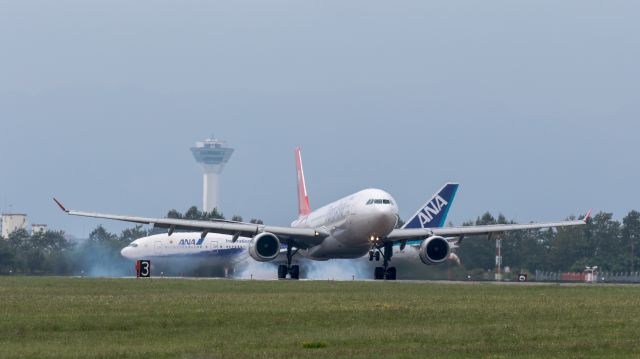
[(533, 106)]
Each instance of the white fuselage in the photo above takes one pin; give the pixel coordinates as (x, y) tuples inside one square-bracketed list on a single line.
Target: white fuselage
[(353, 222), (179, 244)]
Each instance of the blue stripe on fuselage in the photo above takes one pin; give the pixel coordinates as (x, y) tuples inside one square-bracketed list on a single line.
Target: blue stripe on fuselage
[(208, 253)]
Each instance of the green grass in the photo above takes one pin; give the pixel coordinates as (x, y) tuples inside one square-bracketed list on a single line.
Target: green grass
[(166, 318)]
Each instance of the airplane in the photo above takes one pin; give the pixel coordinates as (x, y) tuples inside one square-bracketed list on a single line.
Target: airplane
[(216, 248), (352, 227), (227, 252)]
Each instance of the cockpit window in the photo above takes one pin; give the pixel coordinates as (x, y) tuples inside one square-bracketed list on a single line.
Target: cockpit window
[(133, 245), (379, 201)]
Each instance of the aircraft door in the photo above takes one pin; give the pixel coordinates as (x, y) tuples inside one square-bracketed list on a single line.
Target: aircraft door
[(157, 247)]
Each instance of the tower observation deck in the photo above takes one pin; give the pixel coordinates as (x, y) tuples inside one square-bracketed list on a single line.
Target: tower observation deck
[(212, 155)]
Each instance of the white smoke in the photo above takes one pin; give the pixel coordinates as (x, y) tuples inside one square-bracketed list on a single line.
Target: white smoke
[(338, 269), (335, 269), (252, 269)]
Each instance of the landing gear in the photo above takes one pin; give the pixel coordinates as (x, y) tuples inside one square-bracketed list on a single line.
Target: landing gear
[(384, 272), (381, 273), (282, 271), (378, 273), (295, 272), (391, 273), (292, 270)]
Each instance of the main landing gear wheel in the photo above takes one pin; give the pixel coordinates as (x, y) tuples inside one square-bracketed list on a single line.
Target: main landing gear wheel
[(385, 272), (292, 271), (282, 271), (295, 272), (378, 273), (391, 273)]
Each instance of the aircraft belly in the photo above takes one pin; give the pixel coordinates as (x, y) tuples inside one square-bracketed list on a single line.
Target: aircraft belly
[(333, 248)]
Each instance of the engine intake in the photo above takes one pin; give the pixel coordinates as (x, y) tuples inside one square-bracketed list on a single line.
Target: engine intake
[(434, 250), (264, 247)]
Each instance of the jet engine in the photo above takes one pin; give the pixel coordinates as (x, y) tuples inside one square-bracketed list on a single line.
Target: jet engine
[(264, 247), (434, 250)]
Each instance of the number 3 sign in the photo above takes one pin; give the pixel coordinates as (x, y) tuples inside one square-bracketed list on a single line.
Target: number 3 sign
[(143, 268)]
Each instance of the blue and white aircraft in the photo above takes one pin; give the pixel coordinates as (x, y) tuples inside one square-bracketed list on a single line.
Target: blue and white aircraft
[(218, 249), (352, 227)]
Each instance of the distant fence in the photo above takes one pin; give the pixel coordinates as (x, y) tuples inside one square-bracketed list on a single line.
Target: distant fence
[(606, 277)]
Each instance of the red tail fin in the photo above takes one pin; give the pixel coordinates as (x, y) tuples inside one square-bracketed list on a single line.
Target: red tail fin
[(303, 198)]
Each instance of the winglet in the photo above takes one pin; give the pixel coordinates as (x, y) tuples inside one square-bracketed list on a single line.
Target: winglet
[(587, 215), (60, 205)]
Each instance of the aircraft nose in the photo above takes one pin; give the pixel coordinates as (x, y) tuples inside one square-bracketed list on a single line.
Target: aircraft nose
[(126, 252), (385, 219), (389, 217)]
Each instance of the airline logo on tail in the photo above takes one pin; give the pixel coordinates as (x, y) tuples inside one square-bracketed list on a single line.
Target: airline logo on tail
[(434, 213), (431, 210)]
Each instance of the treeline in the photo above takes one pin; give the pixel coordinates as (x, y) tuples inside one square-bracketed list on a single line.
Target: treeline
[(603, 241), (612, 245), (53, 253)]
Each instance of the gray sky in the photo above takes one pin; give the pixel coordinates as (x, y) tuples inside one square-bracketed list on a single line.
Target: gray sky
[(531, 106)]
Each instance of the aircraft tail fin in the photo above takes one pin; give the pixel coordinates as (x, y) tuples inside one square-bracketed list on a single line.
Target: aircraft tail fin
[(433, 214), (303, 199)]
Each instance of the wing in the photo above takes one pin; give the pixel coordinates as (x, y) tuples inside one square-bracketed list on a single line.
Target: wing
[(299, 237), (400, 235)]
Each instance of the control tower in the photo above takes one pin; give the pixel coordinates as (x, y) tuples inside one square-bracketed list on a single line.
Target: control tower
[(212, 155)]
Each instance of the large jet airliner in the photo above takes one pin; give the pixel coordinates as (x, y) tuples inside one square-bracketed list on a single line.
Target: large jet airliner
[(354, 226)]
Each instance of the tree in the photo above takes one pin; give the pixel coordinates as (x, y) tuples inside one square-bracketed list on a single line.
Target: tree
[(600, 239), (100, 254), (214, 214), (476, 251), (630, 235), (193, 213), (101, 235), (7, 257), (131, 234)]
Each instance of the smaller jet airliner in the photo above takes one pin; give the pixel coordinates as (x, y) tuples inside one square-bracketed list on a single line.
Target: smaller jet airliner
[(354, 226), (217, 249)]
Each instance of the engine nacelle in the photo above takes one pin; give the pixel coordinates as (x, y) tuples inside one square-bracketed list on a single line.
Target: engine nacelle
[(434, 250), (264, 247)]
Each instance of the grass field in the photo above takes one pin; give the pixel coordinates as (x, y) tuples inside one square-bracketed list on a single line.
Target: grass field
[(172, 318)]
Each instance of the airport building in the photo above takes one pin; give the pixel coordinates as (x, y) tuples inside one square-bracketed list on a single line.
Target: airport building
[(212, 155), (12, 222)]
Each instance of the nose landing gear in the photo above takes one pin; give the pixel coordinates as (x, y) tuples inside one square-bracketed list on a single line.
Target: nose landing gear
[(384, 272), (374, 254)]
